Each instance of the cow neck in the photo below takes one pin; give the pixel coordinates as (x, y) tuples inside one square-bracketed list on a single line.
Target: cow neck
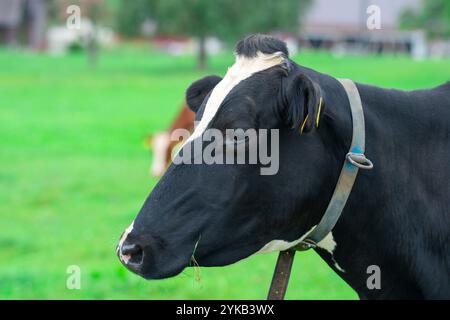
[(354, 160)]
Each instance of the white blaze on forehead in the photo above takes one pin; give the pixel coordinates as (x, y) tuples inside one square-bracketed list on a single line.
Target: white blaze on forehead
[(242, 69)]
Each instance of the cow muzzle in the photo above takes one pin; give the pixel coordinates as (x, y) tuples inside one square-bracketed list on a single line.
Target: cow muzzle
[(129, 251), (131, 255)]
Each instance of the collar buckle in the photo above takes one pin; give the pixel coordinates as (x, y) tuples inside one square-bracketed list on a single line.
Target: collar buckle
[(359, 160)]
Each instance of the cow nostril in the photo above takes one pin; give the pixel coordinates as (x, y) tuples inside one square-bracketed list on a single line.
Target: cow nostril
[(130, 249), (132, 254)]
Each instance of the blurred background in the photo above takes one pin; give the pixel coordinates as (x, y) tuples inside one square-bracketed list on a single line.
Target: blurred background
[(84, 83)]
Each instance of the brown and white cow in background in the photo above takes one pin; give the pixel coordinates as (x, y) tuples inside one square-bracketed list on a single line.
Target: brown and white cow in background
[(161, 144)]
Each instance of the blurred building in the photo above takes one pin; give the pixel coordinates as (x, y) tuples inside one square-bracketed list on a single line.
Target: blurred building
[(89, 33), (181, 45), (60, 39), (341, 26), (23, 21)]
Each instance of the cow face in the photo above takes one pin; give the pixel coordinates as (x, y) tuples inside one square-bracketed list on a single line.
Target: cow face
[(216, 214)]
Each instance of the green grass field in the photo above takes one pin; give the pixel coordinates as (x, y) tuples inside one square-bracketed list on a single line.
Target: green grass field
[(74, 172)]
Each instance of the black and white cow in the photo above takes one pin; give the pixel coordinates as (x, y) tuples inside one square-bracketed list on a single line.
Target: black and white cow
[(397, 216)]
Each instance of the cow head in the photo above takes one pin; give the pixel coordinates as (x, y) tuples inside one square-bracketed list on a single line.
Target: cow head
[(222, 213)]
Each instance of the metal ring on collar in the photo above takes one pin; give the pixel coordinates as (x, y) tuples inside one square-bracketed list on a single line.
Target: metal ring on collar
[(359, 160)]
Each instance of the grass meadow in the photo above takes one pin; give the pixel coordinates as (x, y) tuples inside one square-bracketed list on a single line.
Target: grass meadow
[(74, 171)]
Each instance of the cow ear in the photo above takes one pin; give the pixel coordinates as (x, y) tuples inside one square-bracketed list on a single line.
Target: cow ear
[(303, 104), (198, 91)]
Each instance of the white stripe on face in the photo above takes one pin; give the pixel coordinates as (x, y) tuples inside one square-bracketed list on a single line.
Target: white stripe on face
[(242, 69)]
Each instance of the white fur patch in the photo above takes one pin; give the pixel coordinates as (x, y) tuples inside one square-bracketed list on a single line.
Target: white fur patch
[(124, 258), (160, 144), (242, 69), (337, 266), (328, 243), (281, 245)]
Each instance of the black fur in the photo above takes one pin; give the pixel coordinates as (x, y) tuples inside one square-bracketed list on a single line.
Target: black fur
[(249, 46), (302, 103), (198, 91)]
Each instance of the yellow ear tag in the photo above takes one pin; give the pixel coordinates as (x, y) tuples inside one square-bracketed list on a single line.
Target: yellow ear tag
[(318, 112), (304, 124)]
